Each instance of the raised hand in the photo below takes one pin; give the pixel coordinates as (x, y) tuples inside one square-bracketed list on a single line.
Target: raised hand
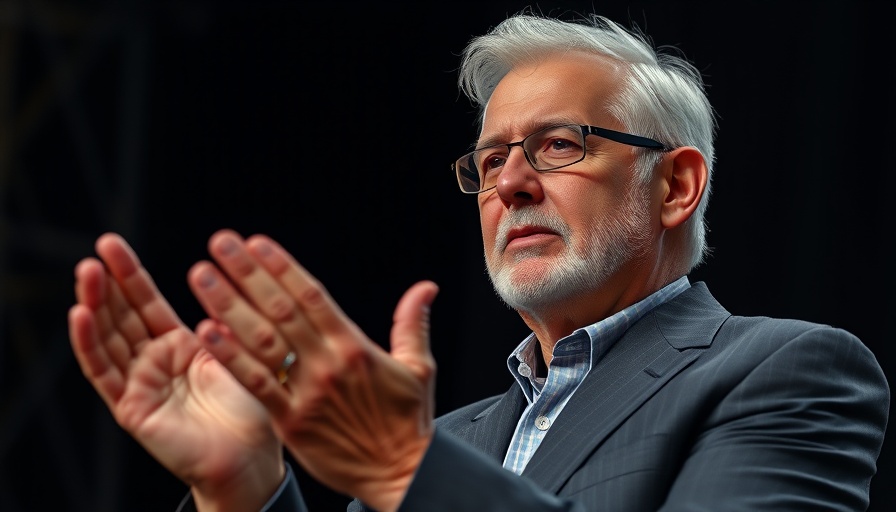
[(164, 389), (356, 417)]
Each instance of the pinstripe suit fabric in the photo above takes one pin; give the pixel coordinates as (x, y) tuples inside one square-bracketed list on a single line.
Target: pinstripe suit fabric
[(692, 409)]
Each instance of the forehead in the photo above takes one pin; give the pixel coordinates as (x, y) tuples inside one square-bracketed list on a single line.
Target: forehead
[(571, 87)]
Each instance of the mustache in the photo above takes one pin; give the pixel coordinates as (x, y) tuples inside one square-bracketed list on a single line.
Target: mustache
[(530, 217)]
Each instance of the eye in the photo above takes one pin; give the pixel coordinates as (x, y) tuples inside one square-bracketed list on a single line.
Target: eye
[(557, 146), (490, 161), (560, 145)]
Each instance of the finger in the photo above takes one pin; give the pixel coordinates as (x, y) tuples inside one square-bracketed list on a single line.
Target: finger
[(252, 373), (260, 287), (410, 336), (90, 283), (315, 303), (410, 328), (136, 285), (97, 291), (91, 354), (259, 335)]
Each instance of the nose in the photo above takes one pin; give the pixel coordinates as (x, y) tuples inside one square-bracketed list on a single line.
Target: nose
[(519, 183)]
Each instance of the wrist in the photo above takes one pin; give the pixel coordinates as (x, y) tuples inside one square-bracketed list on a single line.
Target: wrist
[(244, 491), (386, 495)]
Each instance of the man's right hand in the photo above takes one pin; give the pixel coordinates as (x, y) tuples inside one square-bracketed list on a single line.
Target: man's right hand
[(165, 390)]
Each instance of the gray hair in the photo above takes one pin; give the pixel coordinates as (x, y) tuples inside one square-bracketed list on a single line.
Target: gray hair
[(662, 97)]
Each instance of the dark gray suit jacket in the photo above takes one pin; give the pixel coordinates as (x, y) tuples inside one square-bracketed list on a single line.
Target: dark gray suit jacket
[(692, 409)]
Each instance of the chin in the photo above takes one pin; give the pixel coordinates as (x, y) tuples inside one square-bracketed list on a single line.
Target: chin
[(530, 288)]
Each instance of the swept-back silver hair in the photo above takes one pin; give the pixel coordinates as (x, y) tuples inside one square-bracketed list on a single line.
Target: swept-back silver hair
[(662, 97)]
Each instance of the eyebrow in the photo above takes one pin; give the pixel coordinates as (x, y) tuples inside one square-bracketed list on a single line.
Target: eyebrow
[(530, 128)]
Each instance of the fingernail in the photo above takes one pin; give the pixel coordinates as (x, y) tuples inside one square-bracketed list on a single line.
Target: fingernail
[(207, 278), (228, 246), (264, 249), (213, 337)]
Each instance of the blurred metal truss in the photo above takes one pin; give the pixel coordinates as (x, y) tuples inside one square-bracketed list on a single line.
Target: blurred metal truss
[(59, 447)]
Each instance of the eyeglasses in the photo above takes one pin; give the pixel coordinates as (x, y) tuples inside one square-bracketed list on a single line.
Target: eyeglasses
[(545, 150)]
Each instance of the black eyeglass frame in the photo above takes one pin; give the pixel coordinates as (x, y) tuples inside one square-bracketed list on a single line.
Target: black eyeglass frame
[(628, 139)]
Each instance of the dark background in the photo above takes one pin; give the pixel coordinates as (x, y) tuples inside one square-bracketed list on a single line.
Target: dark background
[(330, 126)]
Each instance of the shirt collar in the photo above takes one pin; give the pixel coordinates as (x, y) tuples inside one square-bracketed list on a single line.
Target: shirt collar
[(602, 335)]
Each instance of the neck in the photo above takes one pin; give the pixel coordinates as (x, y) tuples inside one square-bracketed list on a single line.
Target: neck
[(560, 319)]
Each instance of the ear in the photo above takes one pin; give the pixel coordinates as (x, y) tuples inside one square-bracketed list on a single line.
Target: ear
[(684, 175)]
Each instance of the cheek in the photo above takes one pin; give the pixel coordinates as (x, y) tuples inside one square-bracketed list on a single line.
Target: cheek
[(585, 214), (583, 224), (580, 203), (489, 217)]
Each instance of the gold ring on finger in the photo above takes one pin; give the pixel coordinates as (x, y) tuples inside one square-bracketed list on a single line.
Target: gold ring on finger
[(283, 371)]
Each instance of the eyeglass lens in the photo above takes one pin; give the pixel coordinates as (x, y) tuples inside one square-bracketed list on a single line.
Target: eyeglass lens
[(545, 150)]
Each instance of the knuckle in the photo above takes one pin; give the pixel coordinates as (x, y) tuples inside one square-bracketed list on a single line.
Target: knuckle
[(313, 297), (427, 370), (263, 337), (222, 301), (327, 379), (181, 337), (258, 383), (356, 359), (280, 308), (242, 268)]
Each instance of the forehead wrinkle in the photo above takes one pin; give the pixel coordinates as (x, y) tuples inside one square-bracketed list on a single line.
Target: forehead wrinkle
[(527, 127), (530, 103)]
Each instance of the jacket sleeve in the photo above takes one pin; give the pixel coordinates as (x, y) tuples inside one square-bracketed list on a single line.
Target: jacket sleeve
[(454, 476), (802, 430), (288, 498)]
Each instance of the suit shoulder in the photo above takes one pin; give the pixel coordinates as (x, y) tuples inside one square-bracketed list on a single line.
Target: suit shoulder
[(783, 329), (759, 338)]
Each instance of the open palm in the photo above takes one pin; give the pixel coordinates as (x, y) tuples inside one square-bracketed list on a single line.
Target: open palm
[(172, 396)]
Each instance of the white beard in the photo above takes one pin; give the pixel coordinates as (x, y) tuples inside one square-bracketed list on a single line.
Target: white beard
[(611, 242)]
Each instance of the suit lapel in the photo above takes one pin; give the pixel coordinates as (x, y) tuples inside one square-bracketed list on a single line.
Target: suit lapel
[(651, 353), (494, 426)]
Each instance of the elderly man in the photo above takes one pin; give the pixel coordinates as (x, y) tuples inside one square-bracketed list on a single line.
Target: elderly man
[(636, 390)]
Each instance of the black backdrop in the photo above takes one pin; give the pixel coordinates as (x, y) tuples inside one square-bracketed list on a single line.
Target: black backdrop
[(330, 126)]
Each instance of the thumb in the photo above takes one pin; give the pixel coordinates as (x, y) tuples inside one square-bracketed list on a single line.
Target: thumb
[(410, 327)]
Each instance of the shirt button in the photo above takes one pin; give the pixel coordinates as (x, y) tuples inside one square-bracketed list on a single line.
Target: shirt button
[(524, 370), (542, 423)]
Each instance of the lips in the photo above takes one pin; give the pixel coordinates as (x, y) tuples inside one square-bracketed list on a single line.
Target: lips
[(527, 232)]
